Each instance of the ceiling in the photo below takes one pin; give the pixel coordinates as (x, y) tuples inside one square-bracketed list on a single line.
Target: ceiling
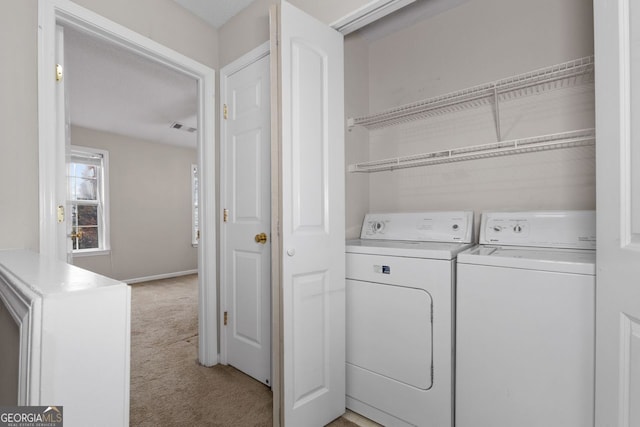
[(114, 90), (214, 12)]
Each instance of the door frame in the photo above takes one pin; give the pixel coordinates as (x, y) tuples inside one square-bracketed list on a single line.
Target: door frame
[(244, 61), (51, 145)]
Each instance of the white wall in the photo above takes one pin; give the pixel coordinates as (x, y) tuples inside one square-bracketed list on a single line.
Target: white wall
[(150, 207), (356, 90), (161, 20), (477, 42), (245, 31), (19, 125), (250, 27), (164, 21)]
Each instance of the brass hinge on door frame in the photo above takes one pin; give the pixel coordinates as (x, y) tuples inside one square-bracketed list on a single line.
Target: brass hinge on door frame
[(225, 215), (60, 214), (59, 73), (225, 318), (224, 111)]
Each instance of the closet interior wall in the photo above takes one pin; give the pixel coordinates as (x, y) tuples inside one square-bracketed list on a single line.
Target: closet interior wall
[(356, 95), (478, 41)]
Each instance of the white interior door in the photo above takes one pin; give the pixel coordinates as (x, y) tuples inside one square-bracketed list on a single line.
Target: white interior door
[(247, 201), (617, 55), (312, 219)]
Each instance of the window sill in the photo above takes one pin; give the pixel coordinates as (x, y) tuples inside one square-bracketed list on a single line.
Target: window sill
[(91, 252)]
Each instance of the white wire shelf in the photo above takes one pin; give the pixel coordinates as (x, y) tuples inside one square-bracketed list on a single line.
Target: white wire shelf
[(558, 76), (554, 141)]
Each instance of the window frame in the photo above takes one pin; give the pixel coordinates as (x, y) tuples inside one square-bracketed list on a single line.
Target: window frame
[(195, 211), (102, 201)]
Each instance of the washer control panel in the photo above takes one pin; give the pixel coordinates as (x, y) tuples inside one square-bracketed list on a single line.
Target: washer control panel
[(452, 226), (518, 227), (552, 229)]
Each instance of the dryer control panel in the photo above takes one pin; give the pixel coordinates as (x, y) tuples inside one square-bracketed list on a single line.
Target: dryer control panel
[(452, 226), (549, 229)]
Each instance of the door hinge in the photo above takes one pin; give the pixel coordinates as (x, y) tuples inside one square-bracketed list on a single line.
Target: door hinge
[(225, 111), (225, 215), (60, 214), (59, 73), (225, 318)]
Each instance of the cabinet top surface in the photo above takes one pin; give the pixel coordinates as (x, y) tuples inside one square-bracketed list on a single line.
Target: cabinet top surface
[(46, 276)]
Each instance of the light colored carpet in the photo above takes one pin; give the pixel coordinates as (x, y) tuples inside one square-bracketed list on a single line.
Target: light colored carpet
[(168, 386)]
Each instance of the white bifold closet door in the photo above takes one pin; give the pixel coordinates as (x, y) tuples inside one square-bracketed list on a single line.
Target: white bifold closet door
[(617, 62), (311, 120)]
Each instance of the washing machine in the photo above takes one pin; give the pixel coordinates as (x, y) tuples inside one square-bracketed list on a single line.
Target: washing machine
[(525, 322), (400, 293)]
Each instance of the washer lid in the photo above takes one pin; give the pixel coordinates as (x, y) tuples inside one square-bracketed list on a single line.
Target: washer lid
[(452, 226), (547, 259), (426, 250)]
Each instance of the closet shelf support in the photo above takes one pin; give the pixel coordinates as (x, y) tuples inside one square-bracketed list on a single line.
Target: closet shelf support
[(496, 101)]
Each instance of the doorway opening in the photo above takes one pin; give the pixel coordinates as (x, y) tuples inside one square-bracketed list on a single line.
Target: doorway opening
[(53, 131), (133, 146), (245, 196)]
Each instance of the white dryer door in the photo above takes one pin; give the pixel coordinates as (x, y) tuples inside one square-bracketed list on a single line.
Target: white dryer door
[(389, 331)]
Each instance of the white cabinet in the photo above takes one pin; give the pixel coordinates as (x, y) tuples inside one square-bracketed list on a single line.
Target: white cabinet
[(71, 328)]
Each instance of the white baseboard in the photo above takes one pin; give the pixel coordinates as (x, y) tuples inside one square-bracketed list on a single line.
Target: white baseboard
[(160, 276)]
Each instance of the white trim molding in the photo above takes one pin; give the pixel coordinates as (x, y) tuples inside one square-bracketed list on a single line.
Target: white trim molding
[(629, 332), (159, 277), (367, 14), (24, 307), (69, 14), (629, 155)]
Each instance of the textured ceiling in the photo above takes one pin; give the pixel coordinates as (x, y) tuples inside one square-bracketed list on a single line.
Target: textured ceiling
[(214, 12), (114, 90)]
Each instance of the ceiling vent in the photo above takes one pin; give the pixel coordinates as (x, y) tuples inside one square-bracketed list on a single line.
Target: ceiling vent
[(180, 126)]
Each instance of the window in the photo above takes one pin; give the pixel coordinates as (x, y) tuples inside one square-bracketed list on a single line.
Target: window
[(87, 186), (195, 230)]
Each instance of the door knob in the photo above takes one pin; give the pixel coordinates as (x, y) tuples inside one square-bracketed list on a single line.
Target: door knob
[(76, 235), (261, 238)]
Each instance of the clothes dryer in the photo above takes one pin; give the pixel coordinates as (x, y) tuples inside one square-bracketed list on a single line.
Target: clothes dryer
[(400, 294), (525, 322)]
